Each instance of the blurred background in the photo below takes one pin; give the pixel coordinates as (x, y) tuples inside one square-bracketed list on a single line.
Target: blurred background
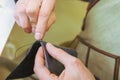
[(69, 16)]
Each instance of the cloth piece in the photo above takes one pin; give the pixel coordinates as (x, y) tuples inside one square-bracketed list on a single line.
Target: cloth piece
[(25, 68)]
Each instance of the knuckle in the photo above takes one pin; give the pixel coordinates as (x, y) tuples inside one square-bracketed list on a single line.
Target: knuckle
[(76, 62), (54, 19), (20, 11), (44, 15), (30, 11)]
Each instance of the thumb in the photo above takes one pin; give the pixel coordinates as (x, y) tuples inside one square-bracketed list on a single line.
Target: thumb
[(40, 69), (60, 55)]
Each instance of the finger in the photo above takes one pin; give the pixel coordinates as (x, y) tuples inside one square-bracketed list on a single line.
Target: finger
[(33, 30), (60, 55), (39, 66), (44, 14), (33, 10), (51, 20), (16, 16), (20, 15), (40, 69), (25, 23)]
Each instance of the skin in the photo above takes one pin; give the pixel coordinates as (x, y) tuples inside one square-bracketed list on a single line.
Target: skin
[(74, 68), (35, 16)]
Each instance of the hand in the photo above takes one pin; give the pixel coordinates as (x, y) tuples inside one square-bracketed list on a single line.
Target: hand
[(35, 16), (74, 69)]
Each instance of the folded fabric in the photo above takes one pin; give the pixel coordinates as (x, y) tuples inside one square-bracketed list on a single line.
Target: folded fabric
[(25, 68)]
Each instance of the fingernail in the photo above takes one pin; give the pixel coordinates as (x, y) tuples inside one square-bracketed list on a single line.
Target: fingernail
[(37, 36), (50, 45)]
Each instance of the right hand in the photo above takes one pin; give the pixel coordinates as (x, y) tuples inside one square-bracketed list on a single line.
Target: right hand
[(74, 68), (35, 16)]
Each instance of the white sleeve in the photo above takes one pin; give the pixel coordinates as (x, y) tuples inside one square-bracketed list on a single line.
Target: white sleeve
[(6, 20)]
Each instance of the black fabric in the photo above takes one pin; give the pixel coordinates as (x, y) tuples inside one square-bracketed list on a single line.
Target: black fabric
[(25, 68)]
